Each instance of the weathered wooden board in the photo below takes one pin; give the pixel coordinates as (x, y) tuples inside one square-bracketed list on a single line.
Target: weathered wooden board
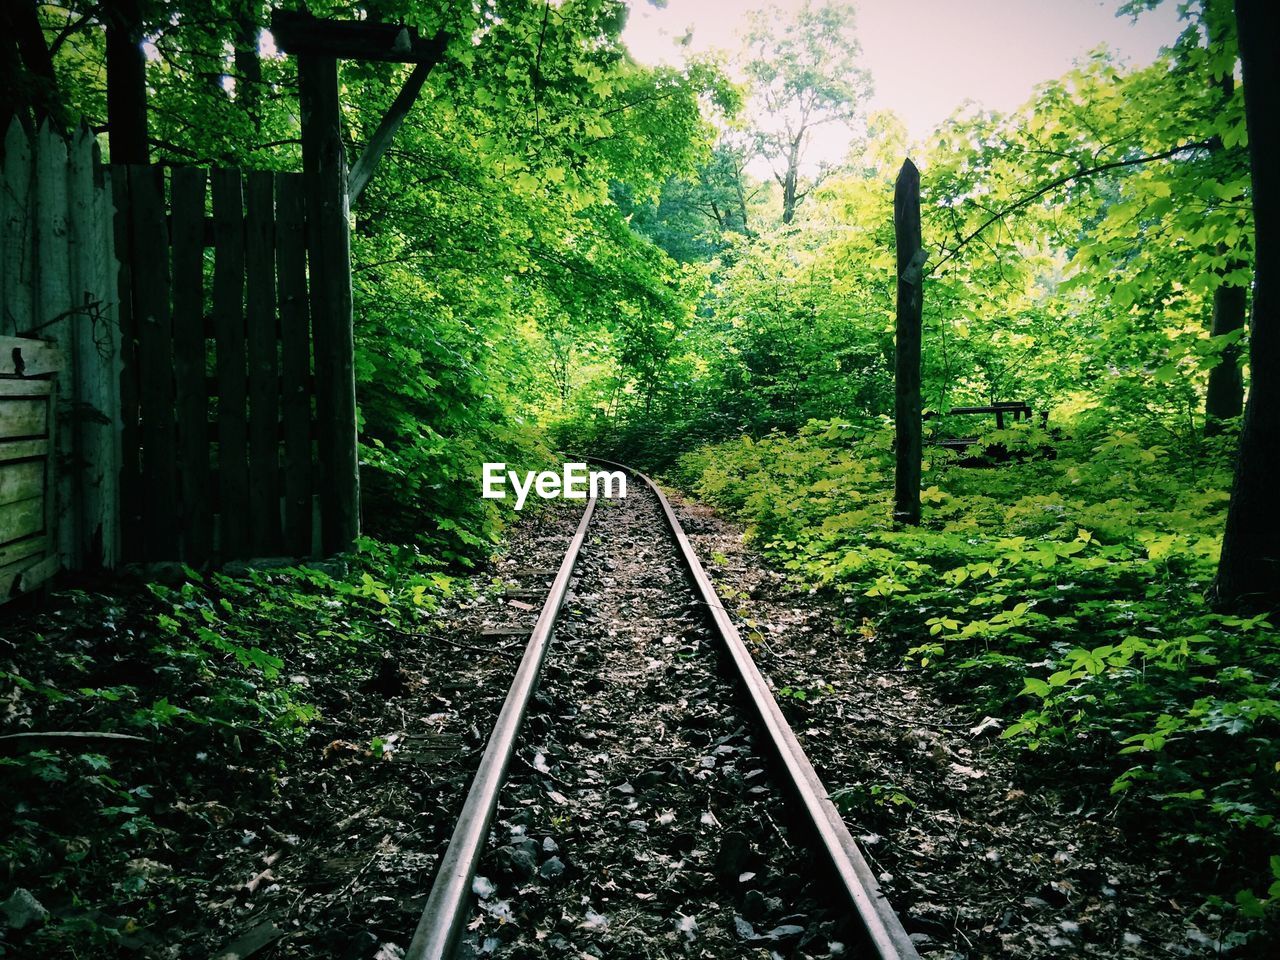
[(56, 312), (24, 576), (186, 235), (16, 226), (22, 449), (232, 360), (10, 387), (21, 481), (131, 496), (24, 418), (23, 357), (264, 375), (25, 549), (21, 519), (152, 318), (295, 358)]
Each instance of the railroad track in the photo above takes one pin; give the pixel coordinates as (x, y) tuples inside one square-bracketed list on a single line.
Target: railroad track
[(618, 751)]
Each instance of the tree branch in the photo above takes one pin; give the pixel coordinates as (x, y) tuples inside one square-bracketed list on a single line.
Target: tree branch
[(1080, 174)]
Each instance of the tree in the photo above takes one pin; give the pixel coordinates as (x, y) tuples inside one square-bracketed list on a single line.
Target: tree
[(1249, 570), (806, 75), (1224, 395)]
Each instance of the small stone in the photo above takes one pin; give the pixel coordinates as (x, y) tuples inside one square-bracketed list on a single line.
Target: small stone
[(551, 869)]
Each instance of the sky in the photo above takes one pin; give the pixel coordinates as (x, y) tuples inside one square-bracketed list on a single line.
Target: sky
[(927, 57)]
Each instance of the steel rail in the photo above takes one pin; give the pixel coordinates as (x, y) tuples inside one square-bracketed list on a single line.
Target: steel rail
[(883, 928), (441, 921)]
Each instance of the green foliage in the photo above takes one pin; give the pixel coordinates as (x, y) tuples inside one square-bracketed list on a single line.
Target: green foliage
[(215, 669), (1058, 606)]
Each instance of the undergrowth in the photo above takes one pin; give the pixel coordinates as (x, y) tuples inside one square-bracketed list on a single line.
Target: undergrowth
[(222, 676), (1063, 592)]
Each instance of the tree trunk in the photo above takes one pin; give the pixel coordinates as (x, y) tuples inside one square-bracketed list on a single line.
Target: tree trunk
[(20, 20), (126, 83), (1249, 571), (1224, 398), (906, 407), (790, 182), (248, 66)]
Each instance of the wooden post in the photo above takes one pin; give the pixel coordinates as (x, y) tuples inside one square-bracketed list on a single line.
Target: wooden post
[(329, 245), (92, 391), (906, 407), (126, 83)]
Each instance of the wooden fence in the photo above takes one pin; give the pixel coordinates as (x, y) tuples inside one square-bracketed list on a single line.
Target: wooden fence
[(58, 283), (219, 392), (192, 396)]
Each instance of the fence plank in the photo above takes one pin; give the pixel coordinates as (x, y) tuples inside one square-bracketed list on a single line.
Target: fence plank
[(90, 385), (110, 371), (189, 359), (131, 499), (228, 291), (16, 262), (264, 389), (155, 354), (295, 341), (54, 319)]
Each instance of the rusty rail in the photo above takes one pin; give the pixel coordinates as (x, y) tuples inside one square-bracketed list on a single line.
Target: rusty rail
[(441, 920), (883, 928)]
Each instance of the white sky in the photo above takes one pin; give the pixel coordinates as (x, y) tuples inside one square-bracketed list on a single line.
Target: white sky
[(927, 57)]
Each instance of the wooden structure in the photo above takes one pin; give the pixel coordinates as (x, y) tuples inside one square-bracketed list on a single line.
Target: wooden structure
[(178, 379), (220, 383), (330, 191), (28, 487), (1017, 409), (57, 280), (910, 305)]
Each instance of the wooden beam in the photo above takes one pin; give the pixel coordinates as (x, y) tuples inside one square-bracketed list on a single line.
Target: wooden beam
[(906, 407), (301, 33), (382, 137), (329, 255)]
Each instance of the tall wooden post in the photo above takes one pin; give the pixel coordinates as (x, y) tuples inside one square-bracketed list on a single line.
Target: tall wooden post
[(126, 83), (906, 406), (324, 167)]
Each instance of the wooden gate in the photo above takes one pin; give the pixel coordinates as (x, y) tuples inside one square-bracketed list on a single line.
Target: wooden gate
[(219, 391), (205, 404)]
